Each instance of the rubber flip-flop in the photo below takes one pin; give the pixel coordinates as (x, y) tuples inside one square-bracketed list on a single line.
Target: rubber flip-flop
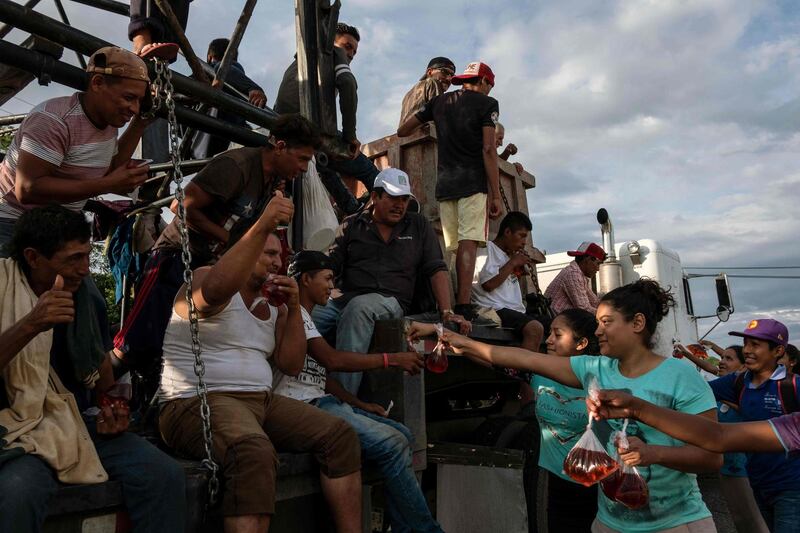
[(165, 51)]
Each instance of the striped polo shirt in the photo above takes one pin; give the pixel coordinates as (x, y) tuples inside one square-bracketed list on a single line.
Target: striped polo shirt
[(59, 132)]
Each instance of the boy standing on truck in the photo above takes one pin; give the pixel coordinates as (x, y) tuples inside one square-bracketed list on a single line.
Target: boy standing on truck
[(468, 182), (383, 441)]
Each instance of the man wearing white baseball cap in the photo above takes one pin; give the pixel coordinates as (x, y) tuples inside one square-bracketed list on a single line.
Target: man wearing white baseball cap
[(380, 253)]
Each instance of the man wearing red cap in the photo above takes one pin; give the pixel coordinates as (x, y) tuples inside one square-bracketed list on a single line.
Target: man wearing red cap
[(571, 288), (468, 180)]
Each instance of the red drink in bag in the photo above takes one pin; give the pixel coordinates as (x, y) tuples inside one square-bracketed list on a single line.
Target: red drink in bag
[(587, 467), (626, 486), (436, 362), (274, 295), (632, 491), (588, 462)]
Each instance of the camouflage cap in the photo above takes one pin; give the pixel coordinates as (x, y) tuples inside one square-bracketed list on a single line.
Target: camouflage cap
[(114, 61)]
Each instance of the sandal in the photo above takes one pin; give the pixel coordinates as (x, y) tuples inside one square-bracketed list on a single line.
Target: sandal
[(165, 51)]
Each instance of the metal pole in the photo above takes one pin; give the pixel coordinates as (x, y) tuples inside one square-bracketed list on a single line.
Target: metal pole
[(186, 46), (6, 28), (42, 65), (308, 84), (11, 120), (65, 19), (108, 5), (233, 44), (38, 24)]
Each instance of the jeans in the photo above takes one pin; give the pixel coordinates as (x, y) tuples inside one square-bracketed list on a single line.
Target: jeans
[(354, 325), (153, 486), (781, 510), (388, 444), (361, 168)]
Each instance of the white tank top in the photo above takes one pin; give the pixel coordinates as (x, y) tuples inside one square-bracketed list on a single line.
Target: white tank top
[(235, 347)]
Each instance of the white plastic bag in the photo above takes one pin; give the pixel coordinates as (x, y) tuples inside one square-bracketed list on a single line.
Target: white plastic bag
[(319, 218)]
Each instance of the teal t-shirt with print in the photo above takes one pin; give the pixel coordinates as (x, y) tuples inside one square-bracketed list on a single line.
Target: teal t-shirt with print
[(674, 496), (562, 416)]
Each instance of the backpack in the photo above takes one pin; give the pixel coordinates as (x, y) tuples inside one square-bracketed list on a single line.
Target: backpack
[(787, 392)]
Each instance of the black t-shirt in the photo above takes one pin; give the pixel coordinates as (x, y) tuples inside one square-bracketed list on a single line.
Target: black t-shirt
[(460, 117), (235, 179)]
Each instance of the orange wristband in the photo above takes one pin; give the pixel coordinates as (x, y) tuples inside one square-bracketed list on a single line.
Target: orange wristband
[(385, 360)]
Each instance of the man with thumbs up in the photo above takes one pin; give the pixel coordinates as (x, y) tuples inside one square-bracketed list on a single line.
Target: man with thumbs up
[(50, 247)]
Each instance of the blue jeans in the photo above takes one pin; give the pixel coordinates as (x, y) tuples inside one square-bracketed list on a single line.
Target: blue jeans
[(361, 168), (388, 444), (781, 510), (153, 487), (354, 325)]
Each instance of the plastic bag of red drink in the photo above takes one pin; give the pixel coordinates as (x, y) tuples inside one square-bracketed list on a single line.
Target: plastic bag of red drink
[(626, 485), (437, 360), (272, 292), (588, 462)]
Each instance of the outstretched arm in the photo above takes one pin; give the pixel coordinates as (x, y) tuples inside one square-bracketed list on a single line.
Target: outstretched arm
[(701, 363), (556, 368), (341, 361), (700, 431)]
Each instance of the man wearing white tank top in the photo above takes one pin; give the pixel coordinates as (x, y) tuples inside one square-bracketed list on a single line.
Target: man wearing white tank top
[(239, 332)]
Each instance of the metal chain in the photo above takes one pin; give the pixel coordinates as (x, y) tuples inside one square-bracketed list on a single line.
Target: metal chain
[(164, 85), (503, 196)]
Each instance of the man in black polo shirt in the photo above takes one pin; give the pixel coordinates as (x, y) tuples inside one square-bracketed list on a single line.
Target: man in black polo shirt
[(380, 253)]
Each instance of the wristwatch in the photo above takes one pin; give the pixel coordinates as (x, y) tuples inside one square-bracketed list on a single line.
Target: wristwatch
[(445, 313)]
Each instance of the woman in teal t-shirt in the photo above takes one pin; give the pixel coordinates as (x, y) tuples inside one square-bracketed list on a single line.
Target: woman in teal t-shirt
[(627, 318), (562, 416)]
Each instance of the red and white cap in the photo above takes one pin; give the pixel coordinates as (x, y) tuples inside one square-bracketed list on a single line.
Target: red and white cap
[(589, 248), (475, 70)]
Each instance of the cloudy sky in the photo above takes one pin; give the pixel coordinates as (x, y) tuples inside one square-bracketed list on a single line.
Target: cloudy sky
[(678, 116)]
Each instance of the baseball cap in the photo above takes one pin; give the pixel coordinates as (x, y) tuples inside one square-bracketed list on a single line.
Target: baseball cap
[(394, 181), (114, 61), (589, 248), (475, 70), (438, 62), (308, 261), (765, 329)]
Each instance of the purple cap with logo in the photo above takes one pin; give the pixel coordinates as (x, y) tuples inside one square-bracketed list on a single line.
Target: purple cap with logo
[(765, 329)]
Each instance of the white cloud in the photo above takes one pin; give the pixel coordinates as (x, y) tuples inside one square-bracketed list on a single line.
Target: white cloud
[(678, 116)]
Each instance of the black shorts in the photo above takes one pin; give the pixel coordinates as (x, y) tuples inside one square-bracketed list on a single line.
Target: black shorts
[(514, 319)]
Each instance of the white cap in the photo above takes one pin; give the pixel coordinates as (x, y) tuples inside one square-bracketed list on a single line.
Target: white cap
[(394, 181)]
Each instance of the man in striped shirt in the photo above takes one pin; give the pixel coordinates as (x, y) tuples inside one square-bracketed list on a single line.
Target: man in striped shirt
[(571, 288), (66, 150)]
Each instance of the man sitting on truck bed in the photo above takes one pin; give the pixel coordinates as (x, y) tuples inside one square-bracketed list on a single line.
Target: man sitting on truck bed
[(55, 366), (240, 332), (572, 288), (381, 254), (468, 179), (497, 284), (383, 441)]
